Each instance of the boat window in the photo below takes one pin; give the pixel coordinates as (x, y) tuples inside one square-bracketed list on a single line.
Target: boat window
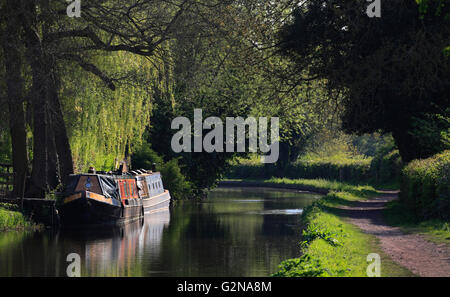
[(125, 185)]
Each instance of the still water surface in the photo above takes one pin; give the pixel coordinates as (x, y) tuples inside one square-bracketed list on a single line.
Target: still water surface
[(235, 232)]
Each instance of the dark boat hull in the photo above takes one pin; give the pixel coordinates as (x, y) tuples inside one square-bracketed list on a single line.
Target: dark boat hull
[(86, 211), (89, 211)]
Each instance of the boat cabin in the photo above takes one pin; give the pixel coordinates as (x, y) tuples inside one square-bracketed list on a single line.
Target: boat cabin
[(99, 187), (149, 184)]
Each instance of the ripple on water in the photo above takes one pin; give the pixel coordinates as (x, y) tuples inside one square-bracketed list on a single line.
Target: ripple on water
[(296, 211)]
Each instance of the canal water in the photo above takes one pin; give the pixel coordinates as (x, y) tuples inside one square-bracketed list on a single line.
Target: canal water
[(234, 232)]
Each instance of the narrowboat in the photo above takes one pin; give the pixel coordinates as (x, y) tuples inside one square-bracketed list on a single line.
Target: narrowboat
[(112, 198)]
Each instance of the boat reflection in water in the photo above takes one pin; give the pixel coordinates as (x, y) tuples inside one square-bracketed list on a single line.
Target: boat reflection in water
[(119, 251)]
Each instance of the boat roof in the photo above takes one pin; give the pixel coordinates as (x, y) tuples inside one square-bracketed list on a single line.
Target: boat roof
[(129, 175)]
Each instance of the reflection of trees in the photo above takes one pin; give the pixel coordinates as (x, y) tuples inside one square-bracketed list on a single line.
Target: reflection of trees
[(30, 254), (230, 233)]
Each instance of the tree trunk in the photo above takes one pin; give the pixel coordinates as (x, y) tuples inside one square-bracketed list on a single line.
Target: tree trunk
[(52, 157), (35, 54), (60, 132), (13, 65), (52, 161), (407, 146)]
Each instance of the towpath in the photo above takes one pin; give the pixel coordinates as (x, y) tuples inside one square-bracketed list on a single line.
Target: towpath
[(412, 251)]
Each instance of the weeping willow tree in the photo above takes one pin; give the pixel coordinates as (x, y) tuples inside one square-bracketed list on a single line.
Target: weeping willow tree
[(105, 125)]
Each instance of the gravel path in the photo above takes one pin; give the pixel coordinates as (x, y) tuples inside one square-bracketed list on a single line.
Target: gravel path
[(422, 257)]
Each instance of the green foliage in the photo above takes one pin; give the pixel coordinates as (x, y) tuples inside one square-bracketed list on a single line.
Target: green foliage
[(425, 187), (9, 206), (370, 144), (369, 63), (104, 125), (332, 163), (431, 7), (305, 266), (386, 166), (349, 170), (342, 157), (173, 179), (315, 231), (432, 132), (12, 219), (341, 169), (144, 157), (221, 92)]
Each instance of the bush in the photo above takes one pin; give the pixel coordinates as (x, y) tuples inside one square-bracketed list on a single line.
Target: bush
[(11, 219), (173, 179), (425, 187), (386, 166), (144, 157), (343, 170), (305, 266)]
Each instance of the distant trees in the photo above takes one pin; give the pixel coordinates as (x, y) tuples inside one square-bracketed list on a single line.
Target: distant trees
[(390, 71)]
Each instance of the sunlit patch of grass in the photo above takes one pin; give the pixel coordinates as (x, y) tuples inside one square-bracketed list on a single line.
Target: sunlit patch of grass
[(13, 220), (321, 184), (343, 158)]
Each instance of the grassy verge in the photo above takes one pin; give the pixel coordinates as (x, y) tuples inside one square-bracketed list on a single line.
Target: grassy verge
[(330, 245), (318, 185), (12, 219), (435, 230)]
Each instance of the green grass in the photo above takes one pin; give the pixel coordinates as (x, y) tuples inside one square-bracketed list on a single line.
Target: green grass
[(434, 230), (312, 184), (343, 158), (333, 247), (11, 219)]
